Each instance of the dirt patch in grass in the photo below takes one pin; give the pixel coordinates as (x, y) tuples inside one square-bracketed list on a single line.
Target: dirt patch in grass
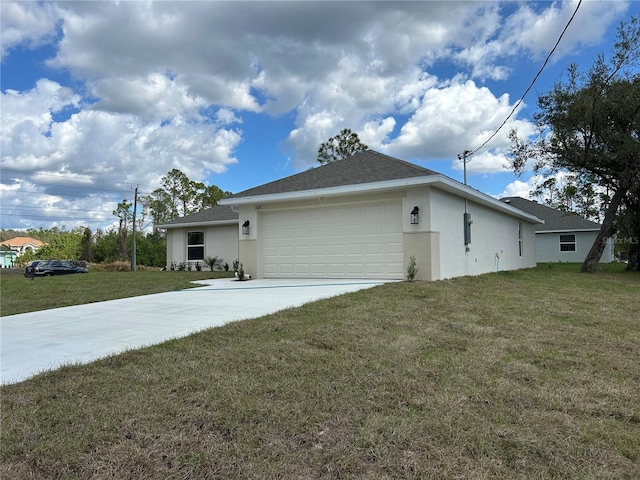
[(530, 374)]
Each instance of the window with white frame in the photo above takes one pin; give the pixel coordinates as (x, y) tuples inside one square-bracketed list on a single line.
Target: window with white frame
[(520, 227), (195, 245), (568, 243)]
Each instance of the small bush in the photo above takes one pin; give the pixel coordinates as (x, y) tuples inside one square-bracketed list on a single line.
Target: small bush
[(412, 270), (214, 263), (116, 267), (241, 272)]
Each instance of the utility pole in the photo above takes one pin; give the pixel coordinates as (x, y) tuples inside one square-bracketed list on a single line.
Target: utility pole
[(467, 217), (133, 242), (463, 156)]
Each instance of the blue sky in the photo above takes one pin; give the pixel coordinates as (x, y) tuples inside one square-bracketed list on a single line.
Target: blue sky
[(98, 97)]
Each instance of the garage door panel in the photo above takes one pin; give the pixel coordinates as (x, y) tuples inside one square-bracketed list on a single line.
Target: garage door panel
[(355, 249), (286, 251), (335, 250), (373, 268), (393, 248), (393, 210), (355, 269), (352, 241), (302, 269), (286, 268), (372, 249), (319, 268)]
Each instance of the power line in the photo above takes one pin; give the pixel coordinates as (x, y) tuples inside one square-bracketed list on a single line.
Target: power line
[(85, 187), (532, 83), (70, 177), (126, 185), (56, 185), (26, 209), (83, 218), (88, 197)]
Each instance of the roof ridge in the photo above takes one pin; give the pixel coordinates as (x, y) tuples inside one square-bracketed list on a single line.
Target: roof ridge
[(21, 239), (404, 162), (368, 166)]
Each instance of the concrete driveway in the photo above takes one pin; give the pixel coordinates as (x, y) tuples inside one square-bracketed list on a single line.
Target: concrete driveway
[(35, 342)]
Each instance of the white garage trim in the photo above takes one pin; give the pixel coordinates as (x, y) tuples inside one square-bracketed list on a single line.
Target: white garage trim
[(338, 241)]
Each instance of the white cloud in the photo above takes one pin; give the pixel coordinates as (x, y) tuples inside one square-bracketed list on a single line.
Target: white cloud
[(161, 85), (538, 31), (533, 30), (526, 188), (36, 105), (66, 165), (518, 188), (30, 24), (153, 97), (452, 119), (375, 134)]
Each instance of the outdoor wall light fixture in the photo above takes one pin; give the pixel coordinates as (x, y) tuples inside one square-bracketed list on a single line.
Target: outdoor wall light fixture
[(415, 213), (245, 228)]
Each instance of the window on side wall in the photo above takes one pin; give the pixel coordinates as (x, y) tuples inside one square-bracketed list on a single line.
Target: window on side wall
[(195, 245), (568, 243), (520, 227)]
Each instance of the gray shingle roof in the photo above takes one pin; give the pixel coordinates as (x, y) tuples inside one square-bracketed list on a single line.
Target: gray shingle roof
[(364, 167), (217, 213), (553, 219)]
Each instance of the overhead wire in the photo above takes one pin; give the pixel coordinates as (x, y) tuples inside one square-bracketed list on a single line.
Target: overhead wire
[(532, 82), (59, 217), (129, 185)]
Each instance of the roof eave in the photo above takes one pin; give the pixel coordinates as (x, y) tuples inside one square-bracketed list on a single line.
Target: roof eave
[(452, 186), (438, 180), (370, 187), (556, 230), (168, 226)]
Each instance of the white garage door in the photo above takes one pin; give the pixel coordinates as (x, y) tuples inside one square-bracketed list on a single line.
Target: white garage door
[(356, 241)]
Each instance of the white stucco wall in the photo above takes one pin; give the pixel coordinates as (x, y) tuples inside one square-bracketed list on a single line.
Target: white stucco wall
[(494, 238), (219, 240), (437, 241), (548, 247)]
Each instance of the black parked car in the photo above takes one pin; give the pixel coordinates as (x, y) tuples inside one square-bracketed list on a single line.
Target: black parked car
[(46, 268), (33, 263)]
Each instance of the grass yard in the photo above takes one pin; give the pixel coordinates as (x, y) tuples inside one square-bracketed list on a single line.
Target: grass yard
[(527, 374), (20, 295)]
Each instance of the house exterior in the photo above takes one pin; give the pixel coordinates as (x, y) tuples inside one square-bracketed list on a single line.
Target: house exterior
[(564, 236), (210, 233), (15, 247), (366, 216)]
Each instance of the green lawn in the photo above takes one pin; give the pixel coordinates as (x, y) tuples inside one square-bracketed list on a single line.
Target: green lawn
[(20, 295), (527, 374)]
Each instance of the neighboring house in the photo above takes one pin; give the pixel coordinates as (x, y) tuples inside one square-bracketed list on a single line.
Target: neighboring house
[(564, 236), (365, 217), (210, 233), (14, 247)]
